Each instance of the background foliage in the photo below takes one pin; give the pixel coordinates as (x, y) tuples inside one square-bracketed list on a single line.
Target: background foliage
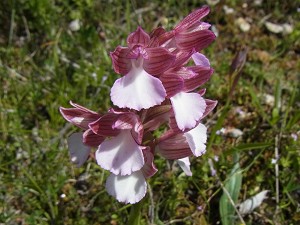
[(45, 62)]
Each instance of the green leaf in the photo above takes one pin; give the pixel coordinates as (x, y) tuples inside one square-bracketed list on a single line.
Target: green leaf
[(233, 186), (247, 147)]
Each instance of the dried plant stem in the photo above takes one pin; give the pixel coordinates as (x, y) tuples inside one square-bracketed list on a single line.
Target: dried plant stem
[(151, 207), (232, 202), (228, 195), (277, 173)]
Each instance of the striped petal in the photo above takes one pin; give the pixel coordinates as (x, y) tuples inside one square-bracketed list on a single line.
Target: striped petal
[(158, 60), (192, 18), (79, 116), (138, 37), (120, 60), (175, 147), (197, 40)]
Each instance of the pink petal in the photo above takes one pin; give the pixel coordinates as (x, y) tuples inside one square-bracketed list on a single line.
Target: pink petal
[(120, 154), (91, 139), (79, 153), (82, 108), (137, 90), (127, 189), (200, 76), (184, 163), (158, 60), (192, 18), (196, 139), (210, 105), (202, 92), (104, 125), (175, 147), (172, 83), (188, 109), (197, 40), (154, 37), (182, 57), (149, 168), (156, 116), (200, 60), (120, 60), (130, 121), (79, 116), (139, 37)]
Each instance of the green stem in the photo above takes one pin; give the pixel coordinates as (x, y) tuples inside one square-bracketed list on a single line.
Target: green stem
[(135, 213)]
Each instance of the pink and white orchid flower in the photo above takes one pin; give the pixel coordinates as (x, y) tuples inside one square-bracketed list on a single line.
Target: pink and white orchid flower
[(158, 89)]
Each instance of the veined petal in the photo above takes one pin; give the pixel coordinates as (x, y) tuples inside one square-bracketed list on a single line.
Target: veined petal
[(120, 154), (91, 139), (154, 36), (149, 168), (184, 163), (120, 60), (210, 105), (137, 90), (202, 92), (196, 139), (175, 147), (200, 75), (104, 125), (192, 18), (130, 121), (138, 37), (172, 83), (158, 60), (79, 116), (79, 153), (200, 60), (182, 57), (188, 109), (155, 116), (128, 189), (197, 40)]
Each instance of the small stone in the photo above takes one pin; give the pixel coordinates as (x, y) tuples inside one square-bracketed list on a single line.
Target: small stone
[(257, 2), (274, 28), (228, 10), (287, 28), (212, 2), (243, 24), (74, 25), (268, 99)]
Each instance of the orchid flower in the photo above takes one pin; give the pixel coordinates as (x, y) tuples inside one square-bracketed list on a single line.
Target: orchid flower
[(158, 89)]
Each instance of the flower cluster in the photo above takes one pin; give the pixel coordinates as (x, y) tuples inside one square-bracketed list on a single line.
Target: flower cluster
[(158, 89)]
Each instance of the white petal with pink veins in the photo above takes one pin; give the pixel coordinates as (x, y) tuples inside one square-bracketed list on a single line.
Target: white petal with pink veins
[(78, 151), (137, 90), (128, 189), (196, 139), (120, 154), (188, 109), (184, 163)]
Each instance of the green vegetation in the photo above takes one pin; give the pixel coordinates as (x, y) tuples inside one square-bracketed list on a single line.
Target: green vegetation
[(44, 64)]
